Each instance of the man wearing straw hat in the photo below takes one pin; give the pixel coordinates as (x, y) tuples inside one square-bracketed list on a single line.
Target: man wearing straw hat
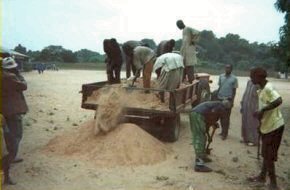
[(13, 105)]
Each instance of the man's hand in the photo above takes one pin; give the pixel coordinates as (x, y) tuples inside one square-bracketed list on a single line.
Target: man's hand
[(216, 125), (258, 114)]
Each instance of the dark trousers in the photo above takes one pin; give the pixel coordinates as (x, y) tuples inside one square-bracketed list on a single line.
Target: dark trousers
[(8, 159), (14, 134), (270, 146), (6, 162), (113, 74), (225, 122), (129, 66)]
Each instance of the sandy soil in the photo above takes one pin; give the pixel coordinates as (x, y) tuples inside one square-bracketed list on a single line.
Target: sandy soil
[(54, 101)]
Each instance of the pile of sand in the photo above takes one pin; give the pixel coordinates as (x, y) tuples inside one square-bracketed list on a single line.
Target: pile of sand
[(111, 102), (127, 145), (128, 98)]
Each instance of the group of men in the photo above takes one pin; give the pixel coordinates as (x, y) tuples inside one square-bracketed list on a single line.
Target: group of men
[(262, 116), (171, 68)]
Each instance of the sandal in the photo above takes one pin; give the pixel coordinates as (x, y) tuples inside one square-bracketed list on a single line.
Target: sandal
[(250, 144), (256, 179)]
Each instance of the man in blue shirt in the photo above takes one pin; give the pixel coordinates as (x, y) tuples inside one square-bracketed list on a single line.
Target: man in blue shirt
[(228, 83)]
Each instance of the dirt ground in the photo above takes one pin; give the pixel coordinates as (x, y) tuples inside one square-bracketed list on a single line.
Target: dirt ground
[(54, 101)]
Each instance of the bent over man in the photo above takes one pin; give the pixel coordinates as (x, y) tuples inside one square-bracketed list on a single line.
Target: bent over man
[(201, 118), (143, 59), (169, 69)]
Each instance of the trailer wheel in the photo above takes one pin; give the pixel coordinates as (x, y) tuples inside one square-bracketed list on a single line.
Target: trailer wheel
[(203, 92), (172, 129)]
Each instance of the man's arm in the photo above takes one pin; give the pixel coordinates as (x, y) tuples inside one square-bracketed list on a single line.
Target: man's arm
[(16, 82), (211, 118), (259, 114), (137, 74)]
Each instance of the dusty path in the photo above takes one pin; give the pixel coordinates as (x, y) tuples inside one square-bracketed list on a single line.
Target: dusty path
[(54, 101)]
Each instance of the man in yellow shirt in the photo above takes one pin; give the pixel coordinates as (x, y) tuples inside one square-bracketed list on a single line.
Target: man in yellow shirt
[(271, 125)]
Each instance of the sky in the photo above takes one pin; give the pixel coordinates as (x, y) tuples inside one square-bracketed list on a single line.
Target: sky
[(84, 24)]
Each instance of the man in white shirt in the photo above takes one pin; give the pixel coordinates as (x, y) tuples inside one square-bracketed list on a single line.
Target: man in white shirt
[(170, 66)]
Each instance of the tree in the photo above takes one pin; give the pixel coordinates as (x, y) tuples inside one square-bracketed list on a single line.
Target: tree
[(20, 49), (284, 43), (57, 53), (68, 56), (208, 47), (150, 42), (177, 45), (34, 55), (85, 55)]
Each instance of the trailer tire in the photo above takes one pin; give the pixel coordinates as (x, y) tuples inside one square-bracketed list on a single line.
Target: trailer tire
[(203, 92), (172, 129)]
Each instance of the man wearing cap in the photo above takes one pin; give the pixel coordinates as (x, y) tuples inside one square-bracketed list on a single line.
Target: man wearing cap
[(188, 49), (13, 104), (201, 118)]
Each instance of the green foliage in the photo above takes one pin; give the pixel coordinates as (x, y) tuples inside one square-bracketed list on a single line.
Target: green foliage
[(209, 48), (149, 42), (27, 67), (56, 53), (234, 50), (85, 55), (82, 66), (283, 49), (213, 53), (177, 45), (20, 49)]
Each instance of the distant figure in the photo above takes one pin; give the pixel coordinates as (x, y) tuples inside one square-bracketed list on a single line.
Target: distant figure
[(250, 124), (13, 105), (54, 67), (169, 68), (113, 60), (188, 49), (165, 46), (201, 118), (40, 68), (144, 59), (228, 84), (271, 127), (128, 48)]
